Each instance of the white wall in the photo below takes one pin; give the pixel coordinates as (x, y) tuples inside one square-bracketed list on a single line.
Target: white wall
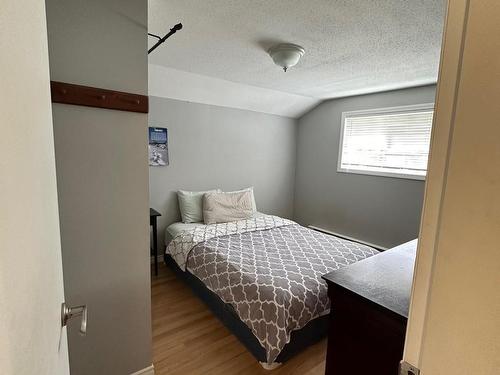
[(381, 210), (180, 85), (222, 147), (31, 285)]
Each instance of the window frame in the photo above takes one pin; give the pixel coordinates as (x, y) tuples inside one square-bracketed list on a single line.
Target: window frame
[(379, 111)]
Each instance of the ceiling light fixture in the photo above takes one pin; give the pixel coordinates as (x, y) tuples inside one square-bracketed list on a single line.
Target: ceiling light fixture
[(286, 55)]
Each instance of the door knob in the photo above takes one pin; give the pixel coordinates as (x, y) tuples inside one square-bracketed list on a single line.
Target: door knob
[(70, 312)]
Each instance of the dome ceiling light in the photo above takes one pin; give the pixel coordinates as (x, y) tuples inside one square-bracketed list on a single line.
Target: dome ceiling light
[(286, 55)]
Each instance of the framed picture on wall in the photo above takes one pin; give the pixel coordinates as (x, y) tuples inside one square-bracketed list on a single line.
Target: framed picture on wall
[(158, 147)]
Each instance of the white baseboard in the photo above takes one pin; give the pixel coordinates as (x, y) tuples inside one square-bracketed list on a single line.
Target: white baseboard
[(348, 237), (150, 370)]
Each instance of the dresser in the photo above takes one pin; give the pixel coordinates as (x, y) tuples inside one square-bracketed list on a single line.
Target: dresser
[(369, 311)]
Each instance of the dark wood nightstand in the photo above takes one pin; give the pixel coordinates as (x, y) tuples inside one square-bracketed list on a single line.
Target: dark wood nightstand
[(153, 215), (370, 301)]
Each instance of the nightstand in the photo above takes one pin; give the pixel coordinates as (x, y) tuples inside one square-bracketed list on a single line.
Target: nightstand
[(153, 215)]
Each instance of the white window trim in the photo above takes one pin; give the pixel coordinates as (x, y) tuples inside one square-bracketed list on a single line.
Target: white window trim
[(378, 111)]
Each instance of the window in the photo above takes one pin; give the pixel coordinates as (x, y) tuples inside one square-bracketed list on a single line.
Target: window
[(390, 142)]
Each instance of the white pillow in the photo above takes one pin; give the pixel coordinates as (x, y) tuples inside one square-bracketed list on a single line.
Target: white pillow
[(191, 205), (250, 189), (226, 207)]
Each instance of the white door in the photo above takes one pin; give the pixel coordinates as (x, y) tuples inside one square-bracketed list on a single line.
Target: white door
[(31, 283), (454, 322)]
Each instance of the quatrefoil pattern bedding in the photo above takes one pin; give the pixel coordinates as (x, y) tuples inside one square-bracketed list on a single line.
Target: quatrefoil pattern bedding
[(269, 269)]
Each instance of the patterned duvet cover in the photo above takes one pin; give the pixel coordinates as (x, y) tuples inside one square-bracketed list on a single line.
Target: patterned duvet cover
[(269, 269)]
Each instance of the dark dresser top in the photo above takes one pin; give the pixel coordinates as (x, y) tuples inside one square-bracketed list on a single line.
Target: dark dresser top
[(384, 279)]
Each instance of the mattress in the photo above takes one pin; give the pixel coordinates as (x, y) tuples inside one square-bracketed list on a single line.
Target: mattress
[(176, 228), (268, 269)]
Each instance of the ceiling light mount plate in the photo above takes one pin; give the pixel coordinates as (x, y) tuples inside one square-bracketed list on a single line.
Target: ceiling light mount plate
[(286, 55)]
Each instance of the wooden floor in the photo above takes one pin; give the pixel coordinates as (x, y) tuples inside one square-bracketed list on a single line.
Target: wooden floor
[(189, 339)]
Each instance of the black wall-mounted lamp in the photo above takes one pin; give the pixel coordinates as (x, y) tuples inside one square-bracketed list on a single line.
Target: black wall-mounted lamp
[(172, 31)]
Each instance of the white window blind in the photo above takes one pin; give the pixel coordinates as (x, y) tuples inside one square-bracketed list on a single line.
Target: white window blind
[(388, 142)]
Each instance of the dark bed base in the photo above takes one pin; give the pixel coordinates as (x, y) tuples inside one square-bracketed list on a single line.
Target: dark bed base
[(313, 332)]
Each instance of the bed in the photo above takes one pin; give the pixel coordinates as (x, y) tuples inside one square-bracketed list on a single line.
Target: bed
[(262, 278)]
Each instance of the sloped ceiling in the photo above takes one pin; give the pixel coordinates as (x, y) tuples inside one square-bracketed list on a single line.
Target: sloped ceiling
[(352, 47)]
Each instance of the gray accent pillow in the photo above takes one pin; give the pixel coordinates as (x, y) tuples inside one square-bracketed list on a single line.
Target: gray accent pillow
[(226, 207), (191, 205)]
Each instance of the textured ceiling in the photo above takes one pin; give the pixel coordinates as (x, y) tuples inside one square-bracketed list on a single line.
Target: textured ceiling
[(352, 47)]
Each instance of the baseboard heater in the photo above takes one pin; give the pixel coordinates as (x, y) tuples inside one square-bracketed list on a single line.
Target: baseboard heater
[(378, 247)]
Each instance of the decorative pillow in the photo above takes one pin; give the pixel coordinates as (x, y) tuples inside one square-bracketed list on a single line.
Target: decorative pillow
[(225, 207), (191, 205), (250, 189)]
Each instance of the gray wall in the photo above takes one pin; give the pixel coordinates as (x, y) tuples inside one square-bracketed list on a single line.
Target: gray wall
[(221, 147), (381, 210), (102, 176)]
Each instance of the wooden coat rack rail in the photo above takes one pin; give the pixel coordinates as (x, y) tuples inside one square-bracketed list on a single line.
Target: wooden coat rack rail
[(67, 93)]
